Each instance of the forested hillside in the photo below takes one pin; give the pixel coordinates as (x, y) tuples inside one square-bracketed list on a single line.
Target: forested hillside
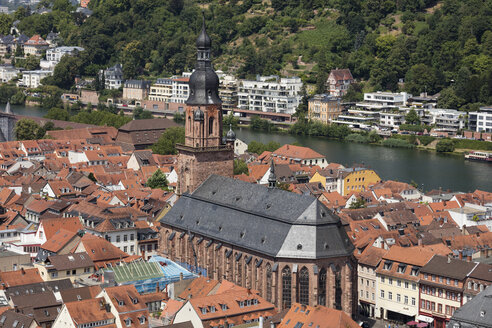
[(434, 46)]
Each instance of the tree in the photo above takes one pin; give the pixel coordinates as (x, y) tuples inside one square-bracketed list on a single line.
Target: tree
[(358, 203), (449, 99), (258, 147), (133, 59), (140, 114), (230, 121), (65, 72), (166, 144), (157, 180), (58, 114), (412, 117), (445, 145), (420, 78), (26, 129), (240, 167), (5, 23)]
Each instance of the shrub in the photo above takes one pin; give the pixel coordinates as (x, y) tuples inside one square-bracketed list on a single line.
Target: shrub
[(397, 143), (356, 137), (445, 145)]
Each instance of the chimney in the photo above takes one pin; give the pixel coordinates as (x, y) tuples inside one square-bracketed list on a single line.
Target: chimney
[(157, 287), (181, 276), (249, 291), (107, 306), (469, 258), (449, 258), (460, 254), (419, 241)]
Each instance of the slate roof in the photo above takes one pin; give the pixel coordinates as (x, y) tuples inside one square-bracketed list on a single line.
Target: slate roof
[(477, 312), (70, 261), (270, 221), (452, 268), (30, 289)]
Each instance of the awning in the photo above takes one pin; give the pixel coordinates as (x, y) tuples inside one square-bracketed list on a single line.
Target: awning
[(425, 318)]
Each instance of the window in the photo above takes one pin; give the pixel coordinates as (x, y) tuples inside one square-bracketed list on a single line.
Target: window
[(439, 308), (456, 282), (398, 283), (224, 307), (68, 272), (269, 282), (390, 295), (125, 249), (390, 281), (118, 238), (382, 293), (373, 296), (405, 300), (422, 304), (204, 309), (286, 287), (414, 286), (321, 287), (212, 309), (142, 319), (398, 298), (413, 301), (426, 276), (132, 237), (406, 284), (54, 274), (433, 278), (74, 272), (125, 237), (382, 279)]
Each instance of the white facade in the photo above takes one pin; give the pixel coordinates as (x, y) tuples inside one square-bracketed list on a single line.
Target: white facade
[(480, 121), (391, 120), (240, 147), (472, 215), (64, 320), (378, 100), (8, 73), (77, 157), (188, 313), (54, 55), (174, 90), (445, 118), (32, 79), (270, 94)]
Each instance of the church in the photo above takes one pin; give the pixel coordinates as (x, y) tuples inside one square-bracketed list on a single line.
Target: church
[(289, 247)]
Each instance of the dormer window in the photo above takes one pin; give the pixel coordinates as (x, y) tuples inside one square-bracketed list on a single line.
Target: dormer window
[(387, 265), (142, 320), (128, 322), (121, 303)]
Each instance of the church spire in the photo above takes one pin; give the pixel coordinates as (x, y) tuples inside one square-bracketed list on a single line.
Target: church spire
[(204, 82)]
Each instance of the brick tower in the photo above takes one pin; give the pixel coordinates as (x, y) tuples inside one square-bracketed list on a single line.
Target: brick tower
[(205, 152)]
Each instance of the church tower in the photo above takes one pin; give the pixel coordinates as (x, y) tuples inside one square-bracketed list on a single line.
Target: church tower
[(204, 152)]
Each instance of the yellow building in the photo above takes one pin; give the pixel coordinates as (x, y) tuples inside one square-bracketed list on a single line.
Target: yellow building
[(162, 90), (356, 180), (324, 108)]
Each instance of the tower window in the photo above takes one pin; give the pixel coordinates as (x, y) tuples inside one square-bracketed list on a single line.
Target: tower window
[(210, 125)]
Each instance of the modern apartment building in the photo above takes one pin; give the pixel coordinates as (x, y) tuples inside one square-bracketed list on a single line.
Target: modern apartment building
[(324, 108), (270, 94), (380, 100), (32, 79), (480, 121), (228, 92), (449, 119)]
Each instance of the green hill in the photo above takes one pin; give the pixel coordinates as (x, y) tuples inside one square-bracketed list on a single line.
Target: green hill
[(443, 46)]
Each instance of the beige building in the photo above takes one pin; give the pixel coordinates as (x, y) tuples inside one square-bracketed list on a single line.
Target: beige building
[(136, 89), (228, 92), (162, 90), (368, 284), (398, 276), (35, 46), (72, 266), (324, 108)]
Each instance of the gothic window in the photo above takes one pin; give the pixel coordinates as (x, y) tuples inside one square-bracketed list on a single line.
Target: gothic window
[(322, 287), (338, 289), (269, 282), (190, 125), (239, 276), (304, 286), (210, 125), (286, 288)]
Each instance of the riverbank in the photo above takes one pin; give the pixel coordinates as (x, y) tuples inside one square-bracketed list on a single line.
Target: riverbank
[(428, 168)]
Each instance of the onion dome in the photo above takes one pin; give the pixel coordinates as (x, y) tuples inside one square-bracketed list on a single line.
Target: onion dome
[(230, 136)]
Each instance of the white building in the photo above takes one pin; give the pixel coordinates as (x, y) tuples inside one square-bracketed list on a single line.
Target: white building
[(54, 55), (472, 215), (379, 100), (445, 118), (480, 121), (170, 90), (113, 77), (32, 79), (270, 94), (8, 72), (391, 120)]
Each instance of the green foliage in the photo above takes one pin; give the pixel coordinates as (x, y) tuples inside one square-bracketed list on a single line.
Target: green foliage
[(412, 118), (354, 93), (415, 128), (5, 23), (358, 203), (179, 118), (7, 92), (65, 72), (472, 144), (258, 147), (356, 137), (425, 140), (100, 118), (261, 124), (166, 144), (316, 128), (58, 114), (157, 180), (30, 63), (240, 167), (397, 143), (230, 120), (140, 114), (26, 129), (18, 98), (445, 145)]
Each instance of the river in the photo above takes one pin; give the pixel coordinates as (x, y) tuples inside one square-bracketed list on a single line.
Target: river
[(427, 169)]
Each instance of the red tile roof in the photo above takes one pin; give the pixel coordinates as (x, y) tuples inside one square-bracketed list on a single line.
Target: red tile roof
[(297, 152), (316, 317), (20, 277)]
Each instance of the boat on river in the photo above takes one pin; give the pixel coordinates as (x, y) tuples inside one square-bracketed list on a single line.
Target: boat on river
[(479, 156)]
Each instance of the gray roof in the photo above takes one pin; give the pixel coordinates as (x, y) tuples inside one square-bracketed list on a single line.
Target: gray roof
[(453, 268), (476, 312), (270, 221)]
